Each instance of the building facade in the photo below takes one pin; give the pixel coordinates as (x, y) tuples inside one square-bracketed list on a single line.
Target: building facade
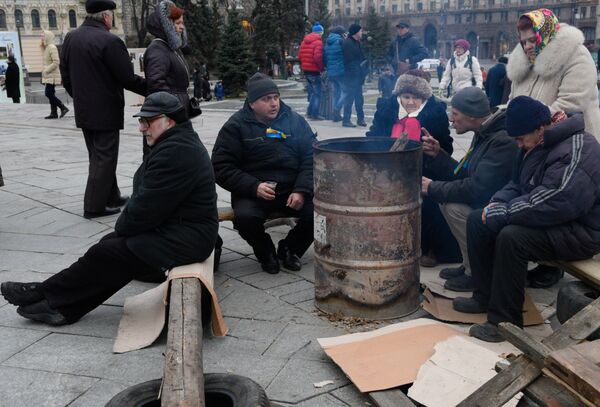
[(489, 25), (30, 17)]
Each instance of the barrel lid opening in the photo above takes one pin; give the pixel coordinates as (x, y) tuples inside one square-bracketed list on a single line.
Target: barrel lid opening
[(366, 145)]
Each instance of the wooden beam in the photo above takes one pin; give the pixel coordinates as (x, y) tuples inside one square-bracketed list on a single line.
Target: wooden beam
[(391, 398), (183, 381), (577, 328), (530, 346)]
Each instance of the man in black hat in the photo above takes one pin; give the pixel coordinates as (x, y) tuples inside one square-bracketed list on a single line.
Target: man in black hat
[(170, 220), (95, 67), (355, 71), (263, 156), (406, 50)]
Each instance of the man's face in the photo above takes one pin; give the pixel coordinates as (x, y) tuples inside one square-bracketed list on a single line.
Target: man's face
[(462, 123), (529, 141), (402, 31), (108, 19), (358, 35), (528, 42), (266, 108), (153, 127)]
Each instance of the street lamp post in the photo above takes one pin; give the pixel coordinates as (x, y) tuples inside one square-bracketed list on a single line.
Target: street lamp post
[(18, 22)]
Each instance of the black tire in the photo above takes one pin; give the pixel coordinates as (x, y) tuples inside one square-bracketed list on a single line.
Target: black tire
[(220, 390), (572, 298)]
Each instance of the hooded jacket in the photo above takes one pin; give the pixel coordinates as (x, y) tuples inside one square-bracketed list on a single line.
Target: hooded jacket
[(334, 55), (311, 53), (557, 188), (12, 81), (164, 64), (563, 77), (406, 47), (487, 169), (51, 72), (462, 75), (243, 156)]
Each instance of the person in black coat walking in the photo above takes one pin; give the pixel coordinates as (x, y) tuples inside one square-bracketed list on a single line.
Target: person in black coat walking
[(497, 85), (171, 220), (354, 76), (263, 156), (549, 211), (12, 81), (406, 50), (95, 67)]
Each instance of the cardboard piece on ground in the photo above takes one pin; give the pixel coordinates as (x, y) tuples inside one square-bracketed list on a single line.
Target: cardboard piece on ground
[(441, 308), (387, 357), (144, 314), (438, 288), (458, 367)]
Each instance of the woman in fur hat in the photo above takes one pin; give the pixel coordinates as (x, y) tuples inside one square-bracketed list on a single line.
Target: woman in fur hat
[(462, 70), (412, 107)]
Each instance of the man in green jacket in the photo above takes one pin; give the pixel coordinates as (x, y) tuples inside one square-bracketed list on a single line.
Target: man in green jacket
[(170, 220), (461, 187)]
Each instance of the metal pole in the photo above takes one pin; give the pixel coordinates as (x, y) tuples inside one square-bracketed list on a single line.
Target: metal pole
[(306, 8)]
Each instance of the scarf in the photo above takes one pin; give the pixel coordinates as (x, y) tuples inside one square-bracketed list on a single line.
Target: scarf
[(402, 113), (545, 27)]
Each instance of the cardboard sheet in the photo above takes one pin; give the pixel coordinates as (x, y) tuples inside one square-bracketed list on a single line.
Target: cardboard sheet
[(387, 357), (144, 315), (458, 367), (441, 308)]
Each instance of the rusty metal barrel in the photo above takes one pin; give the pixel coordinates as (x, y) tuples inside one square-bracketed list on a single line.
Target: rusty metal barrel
[(367, 227)]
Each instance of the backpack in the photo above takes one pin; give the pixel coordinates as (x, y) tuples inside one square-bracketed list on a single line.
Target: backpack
[(468, 64)]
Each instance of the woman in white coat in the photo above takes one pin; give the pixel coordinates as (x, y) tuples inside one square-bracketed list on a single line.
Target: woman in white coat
[(51, 75), (462, 70), (552, 65)]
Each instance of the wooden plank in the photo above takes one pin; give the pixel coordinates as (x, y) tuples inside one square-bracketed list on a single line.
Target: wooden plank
[(585, 270), (391, 398), (583, 401), (577, 328), (183, 382), (505, 385), (534, 349)]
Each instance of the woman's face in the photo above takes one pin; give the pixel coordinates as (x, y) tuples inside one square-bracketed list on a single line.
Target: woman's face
[(410, 102), (459, 50), (179, 25), (528, 41)]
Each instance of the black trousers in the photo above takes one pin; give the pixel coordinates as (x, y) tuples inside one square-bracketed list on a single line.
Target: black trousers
[(436, 236), (499, 265), (103, 270), (250, 216), (50, 92), (103, 151), (16, 99)]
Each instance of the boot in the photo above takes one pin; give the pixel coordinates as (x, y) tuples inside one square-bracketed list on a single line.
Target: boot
[(53, 114), (63, 110)]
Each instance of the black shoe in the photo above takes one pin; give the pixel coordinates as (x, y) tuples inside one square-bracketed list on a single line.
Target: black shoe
[(106, 212), (21, 293), (270, 264), (63, 111), (348, 124), (451, 272), (428, 261), (468, 305), (544, 276), (52, 116), (41, 312), (316, 117), (289, 259), (461, 284), (487, 332), (362, 123), (337, 117), (121, 201)]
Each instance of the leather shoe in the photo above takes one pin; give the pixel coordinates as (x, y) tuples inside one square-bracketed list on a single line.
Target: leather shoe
[(316, 118), (487, 332), (121, 201), (106, 212), (41, 312), (428, 261), (348, 124), (21, 293), (270, 264), (468, 305), (461, 284), (362, 123), (289, 259), (451, 272)]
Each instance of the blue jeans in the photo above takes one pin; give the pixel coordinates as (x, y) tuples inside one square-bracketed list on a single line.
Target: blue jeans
[(353, 94), (337, 93), (313, 79)]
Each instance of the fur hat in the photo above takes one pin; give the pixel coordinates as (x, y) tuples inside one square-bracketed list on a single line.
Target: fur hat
[(174, 40), (415, 82), (462, 43)]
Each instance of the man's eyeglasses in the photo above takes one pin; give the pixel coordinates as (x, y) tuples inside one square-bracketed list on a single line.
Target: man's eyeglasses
[(146, 121)]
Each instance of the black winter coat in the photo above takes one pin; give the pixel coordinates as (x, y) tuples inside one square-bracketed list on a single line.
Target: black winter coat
[(433, 117), (495, 84), (95, 67), (171, 218), (353, 58), (556, 187), (243, 156), (165, 68), (12, 82), (487, 169), (407, 47)]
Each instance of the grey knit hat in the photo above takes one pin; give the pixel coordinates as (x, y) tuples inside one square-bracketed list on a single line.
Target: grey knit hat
[(471, 102), (260, 85), (413, 84)]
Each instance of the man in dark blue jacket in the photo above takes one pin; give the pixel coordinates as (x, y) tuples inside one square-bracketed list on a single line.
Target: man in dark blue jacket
[(406, 50), (549, 211), (354, 76), (497, 85)]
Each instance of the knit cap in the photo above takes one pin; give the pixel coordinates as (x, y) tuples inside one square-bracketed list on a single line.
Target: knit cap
[(462, 43), (318, 28), (353, 29), (471, 102), (260, 85), (338, 29), (524, 115)]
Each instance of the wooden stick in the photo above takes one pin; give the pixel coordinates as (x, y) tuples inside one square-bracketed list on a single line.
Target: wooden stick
[(390, 398)]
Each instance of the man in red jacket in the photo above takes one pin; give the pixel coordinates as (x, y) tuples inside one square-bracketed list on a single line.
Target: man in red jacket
[(311, 61)]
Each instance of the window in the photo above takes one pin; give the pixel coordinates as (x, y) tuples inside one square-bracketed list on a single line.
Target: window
[(490, 3), (394, 9), (432, 6), (583, 12), (523, 2), (382, 9), (419, 6), (504, 16), (72, 19), (337, 2), (487, 17), (457, 19), (592, 11), (19, 18), (589, 33), (35, 19), (2, 19), (461, 4), (347, 11), (407, 7), (358, 11), (51, 18), (337, 12)]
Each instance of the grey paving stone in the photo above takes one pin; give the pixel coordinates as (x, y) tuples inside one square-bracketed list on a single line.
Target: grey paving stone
[(300, 341), (251, 336), (239, 268), (27, 388), (291, 288), (265, 280), (13, 340), (238, 245), (99, 394), (325, 400), (133, 288), (38, 243), (231, 256), (300, 296), (247, 301), (291, 313), (351, 396)]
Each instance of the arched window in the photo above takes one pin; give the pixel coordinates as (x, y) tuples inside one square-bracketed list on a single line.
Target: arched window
[(19, 18), (35, 19), (51, 18), (72, 19), (2, 19)]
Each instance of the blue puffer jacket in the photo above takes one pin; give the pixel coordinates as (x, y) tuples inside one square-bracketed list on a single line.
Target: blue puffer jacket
[(557, 188), (333, 55)]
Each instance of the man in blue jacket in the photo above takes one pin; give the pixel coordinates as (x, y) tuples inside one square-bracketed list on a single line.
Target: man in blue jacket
[(333, 56), (550, 210)]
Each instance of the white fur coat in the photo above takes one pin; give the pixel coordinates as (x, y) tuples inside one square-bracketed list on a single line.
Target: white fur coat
[(563, 77), (461, 76)]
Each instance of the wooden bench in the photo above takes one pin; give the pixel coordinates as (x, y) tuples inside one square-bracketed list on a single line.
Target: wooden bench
[(587, 271)]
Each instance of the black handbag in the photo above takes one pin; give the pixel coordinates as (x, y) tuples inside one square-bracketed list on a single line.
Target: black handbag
[(194, 109)]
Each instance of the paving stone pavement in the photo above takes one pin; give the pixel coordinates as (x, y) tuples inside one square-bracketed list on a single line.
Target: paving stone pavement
[(272, 319)]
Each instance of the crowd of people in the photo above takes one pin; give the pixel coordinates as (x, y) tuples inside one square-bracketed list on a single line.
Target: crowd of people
[(527, 189)]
